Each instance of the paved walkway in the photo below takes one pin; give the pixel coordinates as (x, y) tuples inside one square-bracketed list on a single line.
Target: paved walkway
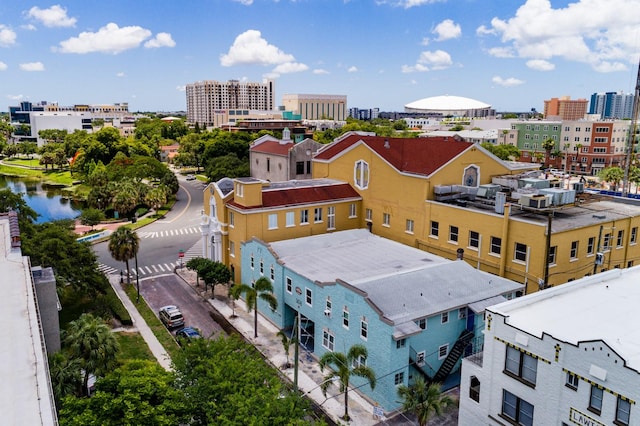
[(141, 325), (309, 375)]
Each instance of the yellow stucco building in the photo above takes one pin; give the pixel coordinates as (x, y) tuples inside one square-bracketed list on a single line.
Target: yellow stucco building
[(424, 193)]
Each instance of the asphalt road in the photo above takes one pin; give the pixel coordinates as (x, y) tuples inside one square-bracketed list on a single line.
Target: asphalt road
[(170, 289), (161, 241)]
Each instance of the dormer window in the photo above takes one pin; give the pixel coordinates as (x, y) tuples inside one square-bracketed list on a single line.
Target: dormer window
[(239, 189)]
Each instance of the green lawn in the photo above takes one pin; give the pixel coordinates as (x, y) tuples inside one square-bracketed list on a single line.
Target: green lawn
[(55, 176), (133, 346), (33, 162)]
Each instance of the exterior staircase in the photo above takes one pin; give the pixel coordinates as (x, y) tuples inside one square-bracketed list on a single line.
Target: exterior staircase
[(454, 355)]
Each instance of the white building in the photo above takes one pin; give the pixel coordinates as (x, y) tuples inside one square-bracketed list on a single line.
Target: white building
[(61, 120), (567, 355), (317, 107)]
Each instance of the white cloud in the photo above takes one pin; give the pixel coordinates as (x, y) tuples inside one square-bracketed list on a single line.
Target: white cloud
[(507, 82), (290, 67), (55, 16), (430, 61), (244, 2), (108, 39), (120, 74), (28, 27), (540, 65), (160, 40), (407, 4), (502, 52), (15, 97), (250, 48), (352, 69), (32, 66), (3, 66), (482, 30), (446, 30), (425, 41), (595, 32), (320, 71), (7, 36), (182, 88)]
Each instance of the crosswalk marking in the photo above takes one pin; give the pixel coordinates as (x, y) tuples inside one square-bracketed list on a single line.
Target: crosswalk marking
[(169, 233)]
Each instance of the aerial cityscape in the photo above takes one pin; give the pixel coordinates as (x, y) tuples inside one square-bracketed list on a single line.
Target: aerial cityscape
[(239, 220)]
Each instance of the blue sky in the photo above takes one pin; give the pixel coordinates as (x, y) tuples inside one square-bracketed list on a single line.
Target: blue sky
[(512, 54)]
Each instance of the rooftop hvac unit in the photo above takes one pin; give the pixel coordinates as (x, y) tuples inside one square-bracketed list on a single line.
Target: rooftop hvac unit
[(578, 187), (488, 191), (536, 201)]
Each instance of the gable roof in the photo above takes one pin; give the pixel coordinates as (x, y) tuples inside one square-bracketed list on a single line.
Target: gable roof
[(273, 147), (309, 192), (421, 156)]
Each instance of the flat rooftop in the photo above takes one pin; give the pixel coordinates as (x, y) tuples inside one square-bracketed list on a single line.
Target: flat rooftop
[(607, 303)]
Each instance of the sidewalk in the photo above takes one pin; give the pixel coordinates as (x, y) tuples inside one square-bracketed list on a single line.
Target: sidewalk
[(141, 325), (309, 374)]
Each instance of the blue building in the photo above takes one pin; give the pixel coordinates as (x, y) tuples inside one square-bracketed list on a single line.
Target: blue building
[(416, 313)]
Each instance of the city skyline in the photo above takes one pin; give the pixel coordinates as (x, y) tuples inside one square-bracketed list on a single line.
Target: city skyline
[(384, 53)]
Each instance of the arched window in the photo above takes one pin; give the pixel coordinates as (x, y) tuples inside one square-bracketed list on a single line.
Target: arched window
[(361, 174), (474, 389)]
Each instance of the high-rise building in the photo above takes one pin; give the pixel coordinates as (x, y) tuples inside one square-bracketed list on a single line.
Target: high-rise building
[(612, 105), (206, 99), (317, 107), (565, 108)]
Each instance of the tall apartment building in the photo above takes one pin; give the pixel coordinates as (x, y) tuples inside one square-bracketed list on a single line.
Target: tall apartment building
[(209, 98), (565, 108), (612, 105), (317, 107)]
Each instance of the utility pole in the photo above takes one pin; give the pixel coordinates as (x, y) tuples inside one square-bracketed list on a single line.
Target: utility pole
[(630, 154)]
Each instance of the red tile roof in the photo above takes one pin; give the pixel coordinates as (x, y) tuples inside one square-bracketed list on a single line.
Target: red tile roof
[(273, 147), (412, 155), (284, 197)]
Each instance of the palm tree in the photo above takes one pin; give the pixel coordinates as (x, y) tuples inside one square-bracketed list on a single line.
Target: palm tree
[(65, 375), (548, 145), (91, 341), (422, 399), (262, 289), (123, 246), (343, 367)]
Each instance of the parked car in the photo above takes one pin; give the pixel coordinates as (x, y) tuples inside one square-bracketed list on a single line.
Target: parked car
[(191, 177), (171, 316), (184, 335)]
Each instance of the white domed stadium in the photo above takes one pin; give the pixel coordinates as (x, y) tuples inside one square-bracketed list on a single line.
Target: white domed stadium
[(450, 106)]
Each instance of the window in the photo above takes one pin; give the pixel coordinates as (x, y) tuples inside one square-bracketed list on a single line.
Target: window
[(328, 306), (462, 313), (364, 328), (620, 239), (623, 411), (361, 174), (434, 229), (420, 358), (516, 409), (239, 190), (369, 215), (607, 241), (474, 239), (317, 214), (572, 381), (251, 260), (422, 323), (453, 234), (360, 361), (289, 285), (273, 221), (634, 235), (304, 216), (331, 217), (574, 250), (308, 296), (386, 219), (474, 389), (261, 267), (352, 210), (496, 245), (272, 273), (345, 317), (268, 164), (400, 343), (552, 255), (519, 364), (328, 340), (290, 218), (409, 226), (398, 379), (299, 167), (308, 167), (443, 350), (520, 253), (591, 244), (595, 400), (444, 318), (232, 219)]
